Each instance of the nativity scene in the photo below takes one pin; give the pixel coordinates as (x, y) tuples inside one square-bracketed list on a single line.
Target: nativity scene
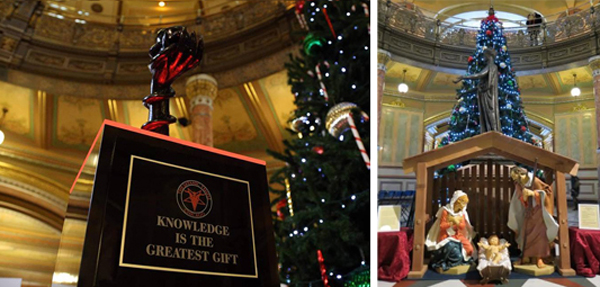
[(504, 208), (492, 161)]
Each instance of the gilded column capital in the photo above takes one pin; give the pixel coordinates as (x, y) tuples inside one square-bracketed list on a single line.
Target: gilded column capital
[(383, 58), (201, 89), (594, 63)]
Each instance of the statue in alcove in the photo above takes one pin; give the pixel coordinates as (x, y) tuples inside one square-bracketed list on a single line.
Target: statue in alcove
[(450, 236)]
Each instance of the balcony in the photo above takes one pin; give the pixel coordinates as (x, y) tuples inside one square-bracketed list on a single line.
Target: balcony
[(563, 41)]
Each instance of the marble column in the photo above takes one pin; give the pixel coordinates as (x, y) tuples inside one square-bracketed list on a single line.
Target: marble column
[(594, 63), (201, 91), (383, 58)]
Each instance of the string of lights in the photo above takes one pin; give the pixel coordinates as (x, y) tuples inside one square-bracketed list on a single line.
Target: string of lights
[(464, 120)]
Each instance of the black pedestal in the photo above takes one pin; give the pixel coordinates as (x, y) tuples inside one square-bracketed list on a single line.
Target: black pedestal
[(165, 212)]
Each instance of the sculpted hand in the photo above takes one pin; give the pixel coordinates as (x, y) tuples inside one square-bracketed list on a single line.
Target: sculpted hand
[(527, 193), (175, 52), (454, 219), (450, 219)]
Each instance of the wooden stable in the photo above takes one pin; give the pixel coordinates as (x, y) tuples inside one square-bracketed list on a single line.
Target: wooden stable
[(498, 144), (488, 184)]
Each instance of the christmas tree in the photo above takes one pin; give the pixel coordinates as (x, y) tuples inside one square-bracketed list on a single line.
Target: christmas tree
[(322, 218), (464, 121)]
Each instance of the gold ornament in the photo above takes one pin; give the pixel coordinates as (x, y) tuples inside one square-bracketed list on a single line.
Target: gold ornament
[(336, 121), (288, 193), (296, 124)]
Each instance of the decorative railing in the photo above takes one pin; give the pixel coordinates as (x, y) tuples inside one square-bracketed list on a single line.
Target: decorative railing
[(68, 28), (410, 19)]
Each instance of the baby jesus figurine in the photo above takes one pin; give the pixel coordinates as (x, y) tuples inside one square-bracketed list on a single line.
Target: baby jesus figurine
[(493, 251)]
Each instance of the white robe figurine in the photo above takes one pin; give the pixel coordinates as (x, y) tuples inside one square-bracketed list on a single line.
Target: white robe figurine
[(464, 236)]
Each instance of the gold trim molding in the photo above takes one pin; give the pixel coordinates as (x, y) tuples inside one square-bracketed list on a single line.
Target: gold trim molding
[(397, 103), (25, 176), (580, 106)]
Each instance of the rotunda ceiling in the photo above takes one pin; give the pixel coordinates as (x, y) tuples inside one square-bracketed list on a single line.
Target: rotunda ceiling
[(107, 42)]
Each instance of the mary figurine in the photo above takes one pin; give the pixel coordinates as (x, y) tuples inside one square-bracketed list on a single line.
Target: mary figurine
[(450, 236)]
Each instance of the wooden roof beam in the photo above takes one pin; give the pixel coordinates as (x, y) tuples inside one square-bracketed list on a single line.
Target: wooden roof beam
[(492, 142)]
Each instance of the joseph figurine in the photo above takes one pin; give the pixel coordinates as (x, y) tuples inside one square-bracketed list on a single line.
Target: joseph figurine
[(487, 93), (532, 221)]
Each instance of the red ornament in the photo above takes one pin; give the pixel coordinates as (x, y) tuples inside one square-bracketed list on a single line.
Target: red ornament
[(318, 149), (299, 6), (523, 128), (329, 22), (470, 59), (488, 32), (491, 18), (321, 261), (281, 204)]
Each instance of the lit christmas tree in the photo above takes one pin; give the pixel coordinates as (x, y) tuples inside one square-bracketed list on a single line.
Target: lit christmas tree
[(322, 219), (465, 118)]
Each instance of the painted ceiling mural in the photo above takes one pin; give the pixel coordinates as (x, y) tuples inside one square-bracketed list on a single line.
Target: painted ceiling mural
[(19, 118), (395, 74), (428, 82), (533, 83), (233, 129), (280, 97), (238, 125), (77, 121), (441, 81), (584, 78)]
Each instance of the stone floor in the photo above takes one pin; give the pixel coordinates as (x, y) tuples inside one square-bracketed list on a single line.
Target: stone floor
[(550, 281), (536, 282)]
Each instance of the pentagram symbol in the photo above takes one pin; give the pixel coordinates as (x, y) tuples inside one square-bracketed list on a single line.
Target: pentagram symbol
[(194, 199)]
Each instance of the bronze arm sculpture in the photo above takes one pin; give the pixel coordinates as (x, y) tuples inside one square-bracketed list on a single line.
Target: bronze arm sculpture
[(174, 53)]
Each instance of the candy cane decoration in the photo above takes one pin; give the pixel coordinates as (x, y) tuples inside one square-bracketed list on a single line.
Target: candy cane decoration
[(366, 7), (320, 77), (301, 20), (323, 270), (361, 147)]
